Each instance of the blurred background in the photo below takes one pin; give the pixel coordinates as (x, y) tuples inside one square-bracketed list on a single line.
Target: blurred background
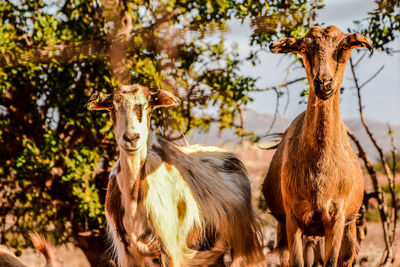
[(55, 156)]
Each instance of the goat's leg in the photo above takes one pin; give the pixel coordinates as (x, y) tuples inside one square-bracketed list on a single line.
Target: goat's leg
[(333, 240), (319, 252), (308, 252), (312, 251), (282, 244), (294, 242), (350, 247)]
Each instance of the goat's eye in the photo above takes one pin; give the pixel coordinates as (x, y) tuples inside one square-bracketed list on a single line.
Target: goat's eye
[(345, 47), (302, 50)]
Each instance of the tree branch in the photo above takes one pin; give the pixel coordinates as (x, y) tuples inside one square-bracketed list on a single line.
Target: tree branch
[(279, 86), (386, 224), (374, 178), (372, 77), (370, 135)]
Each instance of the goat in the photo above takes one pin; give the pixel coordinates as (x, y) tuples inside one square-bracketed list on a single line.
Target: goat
[(169, 205), (314, 184), (40, 243)]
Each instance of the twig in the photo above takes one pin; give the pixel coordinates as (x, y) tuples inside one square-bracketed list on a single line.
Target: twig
[(370, 135), (394, 149), (394, 202), (275, 89), (287, 99), (279, 86), (372, 77), (241, 119), (374, 178), (151, 11), (275, 113), (360, 59)]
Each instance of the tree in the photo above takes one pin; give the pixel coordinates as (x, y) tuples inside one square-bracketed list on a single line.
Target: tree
[(382, 26), (54, 155)]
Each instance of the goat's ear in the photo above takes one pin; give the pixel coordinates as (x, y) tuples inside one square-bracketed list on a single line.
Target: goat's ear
[(358, 40), (100, 101), (162, 99), (286, 45)]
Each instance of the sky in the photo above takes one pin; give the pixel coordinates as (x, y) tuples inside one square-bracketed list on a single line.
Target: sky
[(381, 97)]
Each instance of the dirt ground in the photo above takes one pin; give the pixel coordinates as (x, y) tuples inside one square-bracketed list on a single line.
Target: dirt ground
[(371, 247), (371, 250)]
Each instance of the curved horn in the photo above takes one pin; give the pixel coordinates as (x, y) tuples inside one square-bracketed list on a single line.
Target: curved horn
[(100, 101), (358, 40)]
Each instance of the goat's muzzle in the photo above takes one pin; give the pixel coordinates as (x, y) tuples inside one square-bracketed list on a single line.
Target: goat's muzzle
[(131, 137), (131, 141), (323, 89)]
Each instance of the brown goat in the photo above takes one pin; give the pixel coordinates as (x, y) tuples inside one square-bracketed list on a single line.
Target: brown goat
[(314, 184)]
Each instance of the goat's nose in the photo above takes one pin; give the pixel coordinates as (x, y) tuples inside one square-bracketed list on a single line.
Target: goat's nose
[(324, 79), (131, 137)]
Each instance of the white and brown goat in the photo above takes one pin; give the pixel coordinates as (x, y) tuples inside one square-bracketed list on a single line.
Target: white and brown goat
[(315, 184), (169, 205)]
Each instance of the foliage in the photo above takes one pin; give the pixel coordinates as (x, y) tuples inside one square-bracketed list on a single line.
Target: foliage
[(382, 25), (373, 215), (55, 155), (373, 212), (389, 159)]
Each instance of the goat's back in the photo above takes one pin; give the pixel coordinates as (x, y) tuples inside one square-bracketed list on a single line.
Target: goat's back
[(219, 185)]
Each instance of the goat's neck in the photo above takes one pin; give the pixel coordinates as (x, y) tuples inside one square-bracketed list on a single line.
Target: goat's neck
[(130, 173), (322, 125)]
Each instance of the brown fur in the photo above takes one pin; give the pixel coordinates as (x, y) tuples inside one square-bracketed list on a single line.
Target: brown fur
[(45, 247), (314, 185), (115, 209)]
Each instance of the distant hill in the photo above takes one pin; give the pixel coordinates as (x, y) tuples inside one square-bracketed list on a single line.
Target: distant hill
[(257, 122), (380, 133), (260, 124)]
